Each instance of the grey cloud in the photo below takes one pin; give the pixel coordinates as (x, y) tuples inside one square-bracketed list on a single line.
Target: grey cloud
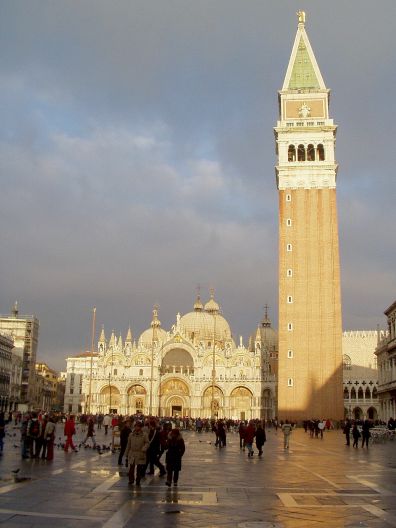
[(137, 157)]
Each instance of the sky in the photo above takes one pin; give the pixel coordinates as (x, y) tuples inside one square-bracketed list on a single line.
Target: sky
[(137, 159)]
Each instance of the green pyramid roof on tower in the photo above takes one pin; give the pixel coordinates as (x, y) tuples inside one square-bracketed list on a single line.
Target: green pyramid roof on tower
[(303, 73)]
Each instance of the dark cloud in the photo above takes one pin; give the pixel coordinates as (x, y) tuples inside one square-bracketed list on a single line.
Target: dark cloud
[(137, 158)]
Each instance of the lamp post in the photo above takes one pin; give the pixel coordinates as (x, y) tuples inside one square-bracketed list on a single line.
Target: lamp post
[(110, 391), (212, 405), (92, 353), (154, 324)]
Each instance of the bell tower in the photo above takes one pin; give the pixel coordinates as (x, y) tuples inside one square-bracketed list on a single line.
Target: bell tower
[(310, 326)]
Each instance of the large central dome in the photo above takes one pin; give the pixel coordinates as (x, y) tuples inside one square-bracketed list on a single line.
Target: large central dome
[(204, 323)]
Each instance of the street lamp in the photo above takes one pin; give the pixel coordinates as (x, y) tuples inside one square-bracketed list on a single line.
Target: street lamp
[(213, 367), (155, 324)]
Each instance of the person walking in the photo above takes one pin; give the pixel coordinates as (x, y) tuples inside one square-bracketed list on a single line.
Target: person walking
[(260, 438), (250, 433), (154, 450), (174, 454), (69, 431), (50, 437), (124, 435), (365, 433), (355, 435), (135, 452), (347, 432), (2, 432), (42, 444), (90, 432), (34, 432), (241, 430), (221, 434), (106, 422), (286, 429)]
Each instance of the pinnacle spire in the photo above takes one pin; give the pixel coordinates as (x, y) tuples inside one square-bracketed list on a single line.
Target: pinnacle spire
[(303, 72), (266, 321), (129, 335), (198, 306), (155, 323), (102, 338)]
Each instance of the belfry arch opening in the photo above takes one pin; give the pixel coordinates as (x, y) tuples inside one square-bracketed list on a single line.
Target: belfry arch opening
[(320, 153), (291, 153), (310, 153), (301, 153)]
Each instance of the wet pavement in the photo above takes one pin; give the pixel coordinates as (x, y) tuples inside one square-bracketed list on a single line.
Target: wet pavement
[(314, 483)]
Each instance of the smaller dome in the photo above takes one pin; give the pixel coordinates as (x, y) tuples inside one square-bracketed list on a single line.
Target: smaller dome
[(198, 306), (265, 334), (211, 306), (146, 338), (154, 333)]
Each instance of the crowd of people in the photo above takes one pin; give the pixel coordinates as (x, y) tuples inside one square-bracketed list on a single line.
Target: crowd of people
[(144, 440)]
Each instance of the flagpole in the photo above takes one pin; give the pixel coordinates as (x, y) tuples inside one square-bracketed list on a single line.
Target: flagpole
[(92, 353)]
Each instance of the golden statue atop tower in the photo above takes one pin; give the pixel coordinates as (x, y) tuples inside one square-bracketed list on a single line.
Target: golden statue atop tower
[(301, 17)]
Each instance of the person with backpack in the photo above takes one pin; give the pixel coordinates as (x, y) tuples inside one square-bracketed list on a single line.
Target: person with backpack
[(287, 429), (34, 433)]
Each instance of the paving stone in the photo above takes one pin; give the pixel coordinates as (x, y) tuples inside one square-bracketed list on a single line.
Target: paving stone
[(314, 482)]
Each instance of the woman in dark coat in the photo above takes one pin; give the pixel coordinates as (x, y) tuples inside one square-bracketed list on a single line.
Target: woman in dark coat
[(175, 450), (365, 433), (260, 438)]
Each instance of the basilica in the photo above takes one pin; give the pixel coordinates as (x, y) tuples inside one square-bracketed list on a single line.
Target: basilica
[(194, 369)]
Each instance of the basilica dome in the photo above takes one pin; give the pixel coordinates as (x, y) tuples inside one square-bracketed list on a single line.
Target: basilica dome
[(202, 324)]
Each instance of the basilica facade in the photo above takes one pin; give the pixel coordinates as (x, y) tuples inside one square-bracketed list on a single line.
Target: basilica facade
[(194, 369)]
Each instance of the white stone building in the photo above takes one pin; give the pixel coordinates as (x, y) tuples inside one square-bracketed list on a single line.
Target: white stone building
[(24, 330), (386, 354), (194, 369), (360, 375)]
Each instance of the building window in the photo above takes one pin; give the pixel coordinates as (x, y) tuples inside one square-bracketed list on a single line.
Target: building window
[(141, 372), (288, 222), (346, 362), (291, 153), (289, 299), (288, 197), (71, 390), (70, 407), (289, 247), (290, 382), (115, 372), (290, 272), (290, 354), (289, 327)]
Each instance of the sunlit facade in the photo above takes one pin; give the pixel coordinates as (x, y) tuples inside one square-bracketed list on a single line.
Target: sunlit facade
[(195, 369)]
